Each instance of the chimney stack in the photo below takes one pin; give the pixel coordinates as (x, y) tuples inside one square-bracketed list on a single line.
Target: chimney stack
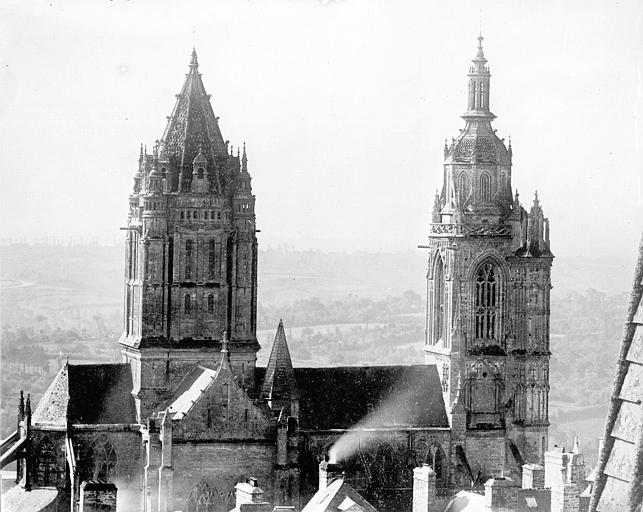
[(424, 489), (250, 497), (501, 494), (533, 476), (329, 472)]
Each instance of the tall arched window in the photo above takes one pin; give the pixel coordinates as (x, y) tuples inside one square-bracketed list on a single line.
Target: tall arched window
[(211, 304), (485, 188), (384, 468), (187, 304), (486, 302), (104, 458), (481, 94), (463, 188), (211, 258), (436, 459), (188, 259), (46, 471), (438, 300)]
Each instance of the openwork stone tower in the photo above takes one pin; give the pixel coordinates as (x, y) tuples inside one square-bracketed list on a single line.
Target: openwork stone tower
[(488, 290)]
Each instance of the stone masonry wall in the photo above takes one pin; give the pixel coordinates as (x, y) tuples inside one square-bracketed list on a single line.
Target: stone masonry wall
[(222, 465)]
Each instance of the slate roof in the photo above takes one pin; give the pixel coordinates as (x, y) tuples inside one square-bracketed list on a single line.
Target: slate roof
[(338, 497), (90, 394), (338, 398), (619, 481)]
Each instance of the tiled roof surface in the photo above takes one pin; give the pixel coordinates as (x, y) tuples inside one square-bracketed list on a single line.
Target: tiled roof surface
[(478, 144), (619, 482), (90, 394), (332, 398)]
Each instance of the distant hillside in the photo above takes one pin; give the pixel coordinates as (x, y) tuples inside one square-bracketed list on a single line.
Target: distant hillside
[(338, 308)]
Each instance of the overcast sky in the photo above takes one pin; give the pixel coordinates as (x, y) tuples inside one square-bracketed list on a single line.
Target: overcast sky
[(344, 107)]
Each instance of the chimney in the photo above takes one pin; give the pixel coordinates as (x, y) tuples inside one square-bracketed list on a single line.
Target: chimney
[(565, 498), (97, 497), (329, 472), (533, 476), (250, 497), (424, 489), (555, 466), (501, 494)]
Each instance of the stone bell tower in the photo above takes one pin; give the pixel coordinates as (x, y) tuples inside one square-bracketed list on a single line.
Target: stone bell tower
[(191, 253), (488, 284)]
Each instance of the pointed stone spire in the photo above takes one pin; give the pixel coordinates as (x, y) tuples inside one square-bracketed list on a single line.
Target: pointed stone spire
[(435, 216), (21, 407), (279, 382), (192, 124), (28, 408), (576, 448), (194, 61), (244, 160)]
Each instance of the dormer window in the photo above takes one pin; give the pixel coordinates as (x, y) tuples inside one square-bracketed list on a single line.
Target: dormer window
[(199, 173)]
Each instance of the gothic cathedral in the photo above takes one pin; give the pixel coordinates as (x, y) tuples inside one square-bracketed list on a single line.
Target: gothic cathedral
[(187, 414), (488, 287)]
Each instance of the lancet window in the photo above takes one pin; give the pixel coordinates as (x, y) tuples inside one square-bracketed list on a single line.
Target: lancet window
[(486, 302), (438, 301), (211, 258), (463, 188), (188, 259), (485, 188), (104, 457), (46, 472)]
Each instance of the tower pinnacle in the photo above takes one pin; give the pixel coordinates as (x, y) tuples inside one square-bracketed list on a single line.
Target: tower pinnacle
[(194, 62)]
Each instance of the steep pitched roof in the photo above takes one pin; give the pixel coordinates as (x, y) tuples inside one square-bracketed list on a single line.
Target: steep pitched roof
[(90, 394), (619, 481), (332, 398), (279, 381), (190, 390), (52, 407), (192, 125), (338, 497)]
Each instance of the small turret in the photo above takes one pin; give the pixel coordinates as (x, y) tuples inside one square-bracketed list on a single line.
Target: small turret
[(435, 216)]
